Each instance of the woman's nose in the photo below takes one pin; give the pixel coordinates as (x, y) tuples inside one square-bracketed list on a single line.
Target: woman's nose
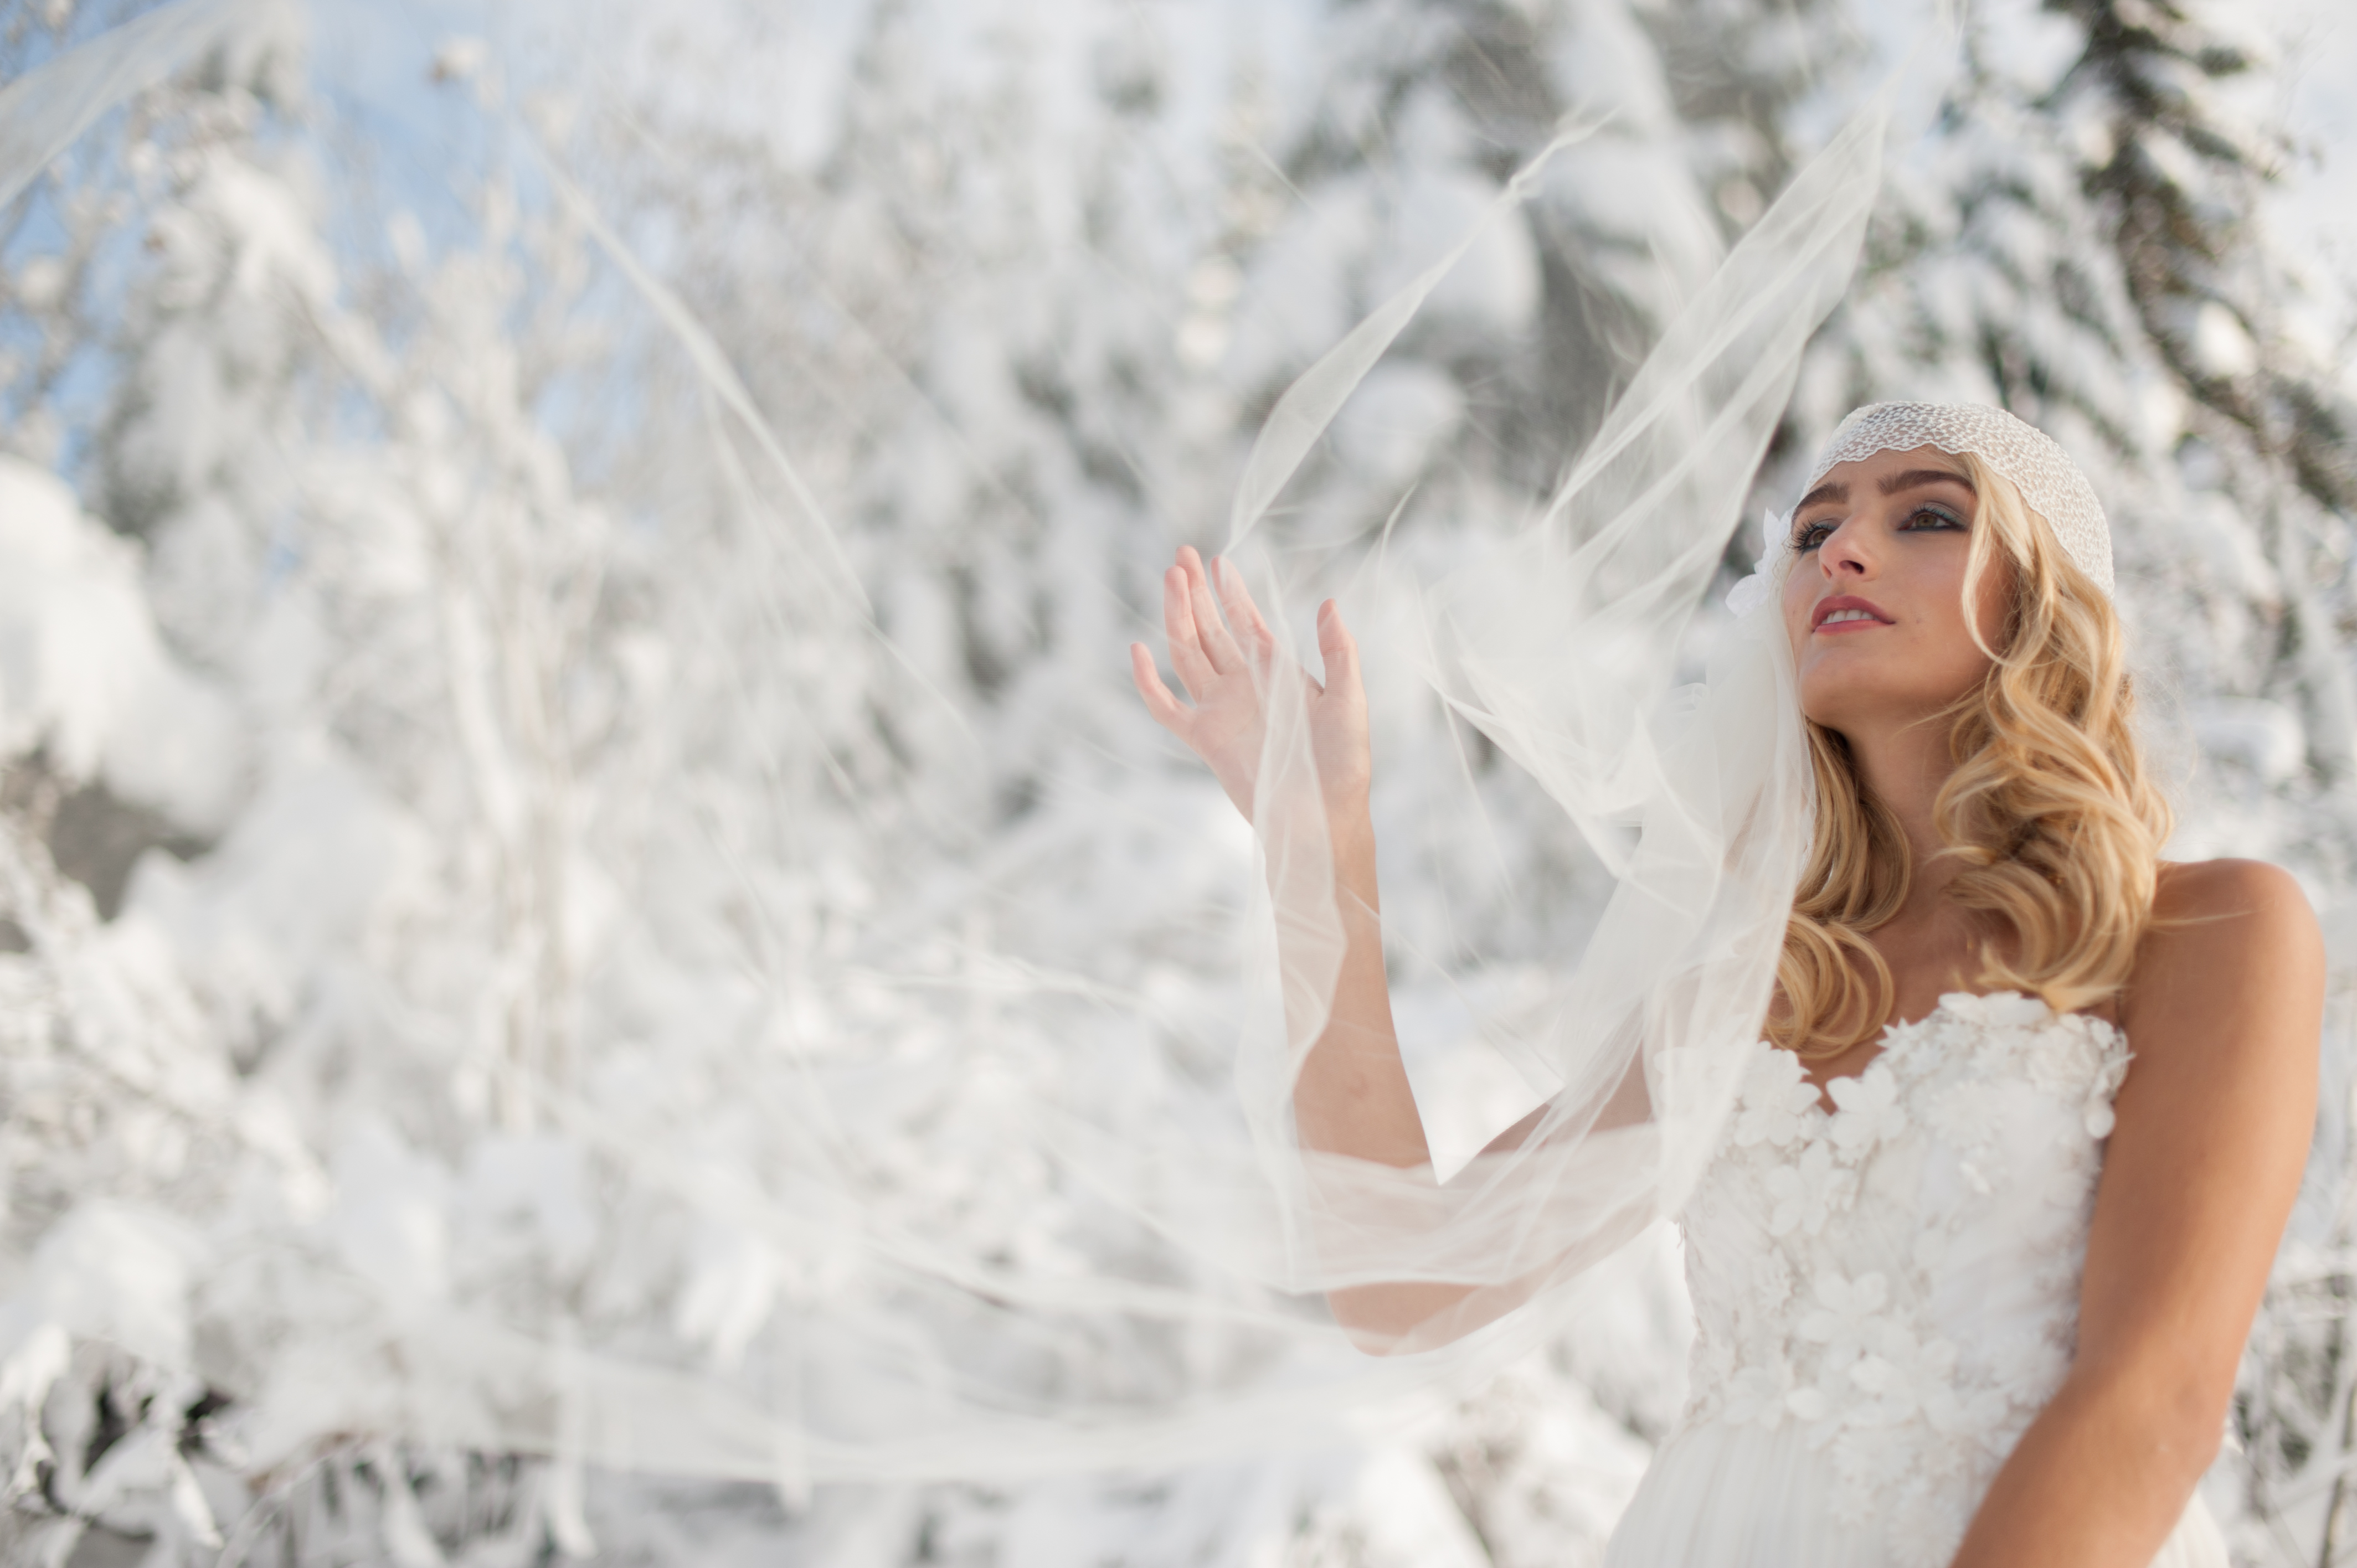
[(1847, 554)]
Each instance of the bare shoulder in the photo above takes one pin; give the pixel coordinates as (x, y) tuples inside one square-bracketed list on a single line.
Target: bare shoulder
[(2213, 913), (2232, 945), (2210, 890)]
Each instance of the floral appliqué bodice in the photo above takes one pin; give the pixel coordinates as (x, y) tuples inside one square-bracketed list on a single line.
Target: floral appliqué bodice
[(1897, 1281)]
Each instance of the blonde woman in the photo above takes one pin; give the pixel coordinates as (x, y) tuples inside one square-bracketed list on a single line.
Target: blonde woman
[(1975, 1258)]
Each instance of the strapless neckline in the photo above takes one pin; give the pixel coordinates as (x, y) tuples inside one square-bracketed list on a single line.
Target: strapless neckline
[(1899, 1025)]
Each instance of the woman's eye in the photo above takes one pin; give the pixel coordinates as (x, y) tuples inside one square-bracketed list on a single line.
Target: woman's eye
[(1925, 518), (1809, 535)]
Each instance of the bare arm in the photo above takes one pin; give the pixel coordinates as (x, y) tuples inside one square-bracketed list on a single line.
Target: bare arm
[(2199, 1176), (1352, 1096)]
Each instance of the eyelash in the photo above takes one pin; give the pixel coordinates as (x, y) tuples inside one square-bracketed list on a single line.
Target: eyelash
[(1809, 535)]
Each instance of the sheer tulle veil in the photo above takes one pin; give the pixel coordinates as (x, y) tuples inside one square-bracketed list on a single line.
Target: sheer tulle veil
[(1560, 645)]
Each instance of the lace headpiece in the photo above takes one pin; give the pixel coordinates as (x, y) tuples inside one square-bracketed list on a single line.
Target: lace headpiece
[(2041, 469)]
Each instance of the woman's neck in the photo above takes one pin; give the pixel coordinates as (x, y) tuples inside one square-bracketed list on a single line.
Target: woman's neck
[(1903, 767)]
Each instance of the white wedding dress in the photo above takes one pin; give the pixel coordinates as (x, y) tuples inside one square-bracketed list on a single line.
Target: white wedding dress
[(1887, 1296)]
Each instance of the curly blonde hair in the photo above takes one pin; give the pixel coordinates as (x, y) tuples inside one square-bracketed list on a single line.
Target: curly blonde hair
[(2049, 809)]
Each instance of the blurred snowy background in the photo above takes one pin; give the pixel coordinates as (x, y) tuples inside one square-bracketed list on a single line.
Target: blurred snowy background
[(566, 769)]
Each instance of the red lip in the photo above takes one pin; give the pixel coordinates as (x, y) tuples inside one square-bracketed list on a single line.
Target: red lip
[(1840, 602)]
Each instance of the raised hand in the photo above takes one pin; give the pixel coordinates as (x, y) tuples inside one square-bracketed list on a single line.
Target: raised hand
[(1221, 662)]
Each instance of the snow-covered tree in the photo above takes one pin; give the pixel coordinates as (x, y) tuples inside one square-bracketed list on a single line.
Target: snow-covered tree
[(605, 700)]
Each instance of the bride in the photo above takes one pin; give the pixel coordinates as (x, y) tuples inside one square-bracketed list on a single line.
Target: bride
[(1976, 1251)]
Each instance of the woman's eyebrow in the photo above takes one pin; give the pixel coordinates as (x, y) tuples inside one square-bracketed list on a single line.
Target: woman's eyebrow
[(1825, 492), (1892, 484)]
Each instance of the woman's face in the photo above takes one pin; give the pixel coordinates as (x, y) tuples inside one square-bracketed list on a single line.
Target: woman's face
[(1874, 602)]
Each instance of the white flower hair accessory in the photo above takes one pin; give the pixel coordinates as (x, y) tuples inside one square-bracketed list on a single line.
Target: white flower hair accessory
[(2049, 481), (1775, 545)]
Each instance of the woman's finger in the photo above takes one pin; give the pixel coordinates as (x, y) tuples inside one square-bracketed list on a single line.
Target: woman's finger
[(1195, 672), (1164, 707), (1218, 646), (1237, 600), (1338, 647)]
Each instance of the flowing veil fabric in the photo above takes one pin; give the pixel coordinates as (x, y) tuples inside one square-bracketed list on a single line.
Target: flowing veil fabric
[(1558, 644)]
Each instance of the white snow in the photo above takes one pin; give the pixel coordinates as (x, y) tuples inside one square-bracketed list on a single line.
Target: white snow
[(615, 976)]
